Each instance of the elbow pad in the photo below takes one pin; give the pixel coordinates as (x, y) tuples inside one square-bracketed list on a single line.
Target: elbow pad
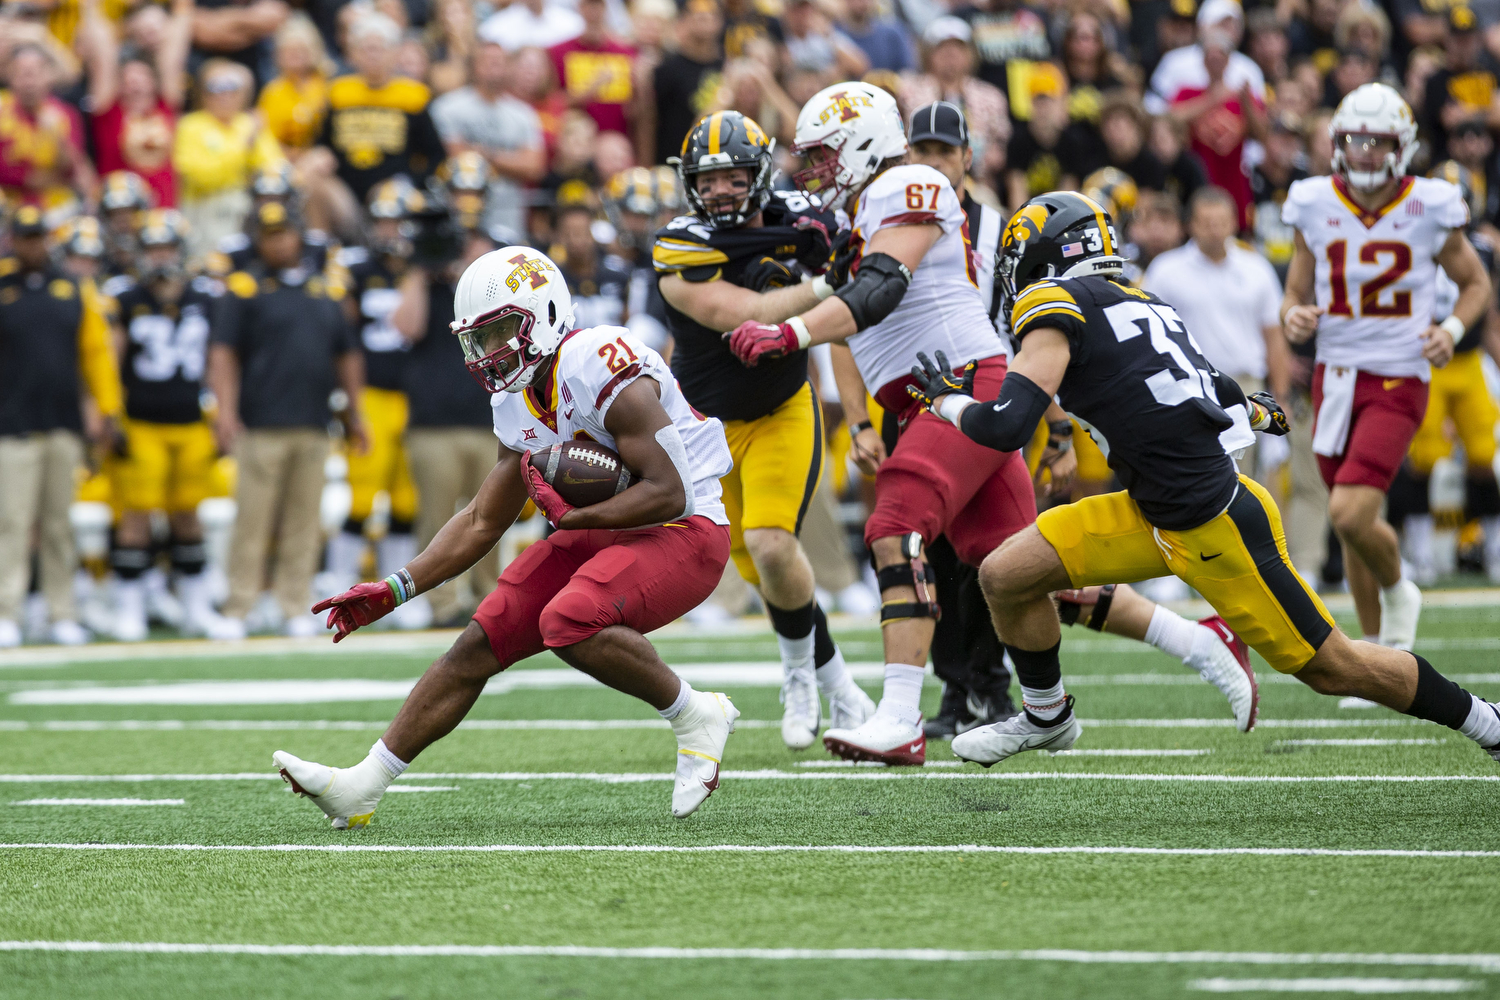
[(875, 290), (1008, 422), (671, 443)]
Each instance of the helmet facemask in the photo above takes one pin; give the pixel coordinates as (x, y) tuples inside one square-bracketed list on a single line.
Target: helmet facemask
[(498, 350), (821, 177), (726, 212), (1392, 163)]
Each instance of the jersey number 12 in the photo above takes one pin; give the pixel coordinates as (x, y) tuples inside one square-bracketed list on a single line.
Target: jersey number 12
[(1369, 293)]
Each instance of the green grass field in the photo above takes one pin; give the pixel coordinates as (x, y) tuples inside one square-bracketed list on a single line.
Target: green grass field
[(147, 848)]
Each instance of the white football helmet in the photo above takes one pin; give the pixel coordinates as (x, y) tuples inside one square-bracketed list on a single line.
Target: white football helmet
[(857, 127), (512, 310), (1367, 114)]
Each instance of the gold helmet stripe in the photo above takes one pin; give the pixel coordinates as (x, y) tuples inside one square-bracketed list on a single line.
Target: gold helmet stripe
[(1109, 246), (713, 131)]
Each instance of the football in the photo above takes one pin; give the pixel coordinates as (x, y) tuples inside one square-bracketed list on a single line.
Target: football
[(582, 472)]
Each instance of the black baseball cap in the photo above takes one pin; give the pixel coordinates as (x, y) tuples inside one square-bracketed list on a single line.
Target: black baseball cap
[(27, 221), (939, 120)]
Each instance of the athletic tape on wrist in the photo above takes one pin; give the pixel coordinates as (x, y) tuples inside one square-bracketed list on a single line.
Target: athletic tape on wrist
[(1454, 326), (821, 288), (800, 329)]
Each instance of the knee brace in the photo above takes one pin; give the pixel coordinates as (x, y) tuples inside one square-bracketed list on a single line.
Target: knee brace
[(1069, 607), (916, 573)]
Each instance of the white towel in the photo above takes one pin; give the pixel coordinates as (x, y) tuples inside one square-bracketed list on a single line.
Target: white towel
[(1332, 431)]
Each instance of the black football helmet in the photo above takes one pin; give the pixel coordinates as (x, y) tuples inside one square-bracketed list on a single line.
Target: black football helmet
[(1060, 234), (721, 140)]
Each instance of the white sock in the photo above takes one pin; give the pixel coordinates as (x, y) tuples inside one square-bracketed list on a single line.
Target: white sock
[(1491, 544), (389, 762), (194, 592), (1418, 530), (392, 552), (796, 654), (833, 675), (1392, 589), (1171, 633), (673, 710), (902, 698), (1483, 724), (345, 553), (1045, 703)]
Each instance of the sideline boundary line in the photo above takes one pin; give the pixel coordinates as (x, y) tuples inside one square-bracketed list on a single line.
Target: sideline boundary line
[(891, 774)]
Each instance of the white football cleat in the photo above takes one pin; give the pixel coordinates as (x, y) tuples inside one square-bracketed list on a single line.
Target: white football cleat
[(1400, 606), (802, 715), (129, 624), (347, 795), (10, 634), (849, 707), (989, 745), (702, 727), (1226, 665), (68, 633), (881, 738)]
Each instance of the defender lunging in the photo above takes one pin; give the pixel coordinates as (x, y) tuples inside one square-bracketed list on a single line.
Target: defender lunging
[(588, 592), (1121, 359)]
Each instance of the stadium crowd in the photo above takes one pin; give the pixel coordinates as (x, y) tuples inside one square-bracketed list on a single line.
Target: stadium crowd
[(233, 230)]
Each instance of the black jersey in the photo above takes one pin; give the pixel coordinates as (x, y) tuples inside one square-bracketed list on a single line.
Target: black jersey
[(165, 349), (374, 285), (236, 252), (1139, 384), (712, 378)]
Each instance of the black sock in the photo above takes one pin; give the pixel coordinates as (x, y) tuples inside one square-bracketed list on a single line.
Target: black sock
[(1039, 669), (794, 624), (399, 526), (1438, 699), (188, 558), (823, 647), (1483, 497), (354, 526), (129, 564)]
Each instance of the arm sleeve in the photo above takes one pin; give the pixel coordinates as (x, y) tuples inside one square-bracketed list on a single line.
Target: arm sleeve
[(96, 359), (1008, 422)]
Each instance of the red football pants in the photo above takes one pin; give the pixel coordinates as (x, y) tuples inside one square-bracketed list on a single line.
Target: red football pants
[(573, 584), (938, 482)]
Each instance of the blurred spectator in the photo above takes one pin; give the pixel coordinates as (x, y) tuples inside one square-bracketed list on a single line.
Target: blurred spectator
[(1421, 23), (1155, 226), (1089, 66), (1319, 145), (1167, 138), (527, 23), (1228, 296), (450, 432), (483, 118), (1122, 131), (1463, 89), (295, 103), (51, 332), (135, 130), (1354, 69), (451, 38), (598, 284), (814, 45), (216, 151), (950, 77), (1470, 143), (1003, 31), (532, 80), (42, 158), (686, 82), (1311, 32), (597, 73), (746, 22), (1284, 164), (239, 30), (750, 88), (885, 41), (1044, 152), (1365, 28), (377, 126), (1219, 120), (1176, 28), (279, 346), (1267, 44), (1186, 69)]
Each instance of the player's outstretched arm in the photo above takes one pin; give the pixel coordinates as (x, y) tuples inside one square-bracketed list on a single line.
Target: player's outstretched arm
[(720, 305), (459, 544), (885, 271), (1007, 422), (651, 447), (1299, 316)]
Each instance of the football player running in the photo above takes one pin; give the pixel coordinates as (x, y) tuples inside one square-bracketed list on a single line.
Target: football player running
[(610, 573), (1120, 359), (911, 287), (1363, 277), (738, 257)]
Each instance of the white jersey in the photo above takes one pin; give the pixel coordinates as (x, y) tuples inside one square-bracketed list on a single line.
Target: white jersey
[(942, 309), (593, 366), (1376, 273)]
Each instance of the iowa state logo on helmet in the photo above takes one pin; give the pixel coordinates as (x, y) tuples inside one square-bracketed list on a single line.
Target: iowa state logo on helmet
[(527, 267), (845, 105)]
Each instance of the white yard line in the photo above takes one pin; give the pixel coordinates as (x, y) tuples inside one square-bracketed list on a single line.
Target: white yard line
[(100, 802), (879, 774), (1357, 743), (1480, 962), (1196, 852), (420, 788), (1340, 984), (169, 725)]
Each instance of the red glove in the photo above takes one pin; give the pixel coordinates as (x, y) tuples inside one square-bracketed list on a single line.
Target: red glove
[(361, 605), (753, 341), (553, 507)]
